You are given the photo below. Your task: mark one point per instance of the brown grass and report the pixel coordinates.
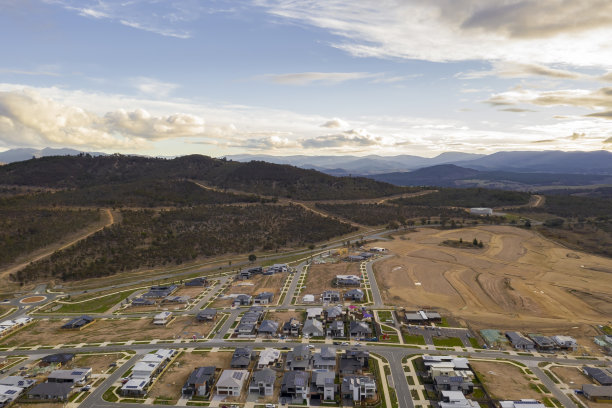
(319, 277)
(169, 385)
(48, 332)
(283, 317)
(253, 286)
(504, 381)
(519, 281)
(99, 363)
(572, 376)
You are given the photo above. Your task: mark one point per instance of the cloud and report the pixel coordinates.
(523, 31)
(608, 140)
(335, 123)
(28, 118)
(350, 138)
(577, 136)
(306, 78)
(154, 87)
(514, 70)
(272, 142)
(517, 110)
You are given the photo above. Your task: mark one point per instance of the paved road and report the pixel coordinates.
(296, 278)
(373, 285)
(567, 403)
(402, 390)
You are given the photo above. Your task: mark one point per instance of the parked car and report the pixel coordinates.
(86, 388)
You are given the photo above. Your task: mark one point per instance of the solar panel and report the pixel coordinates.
(237, 375)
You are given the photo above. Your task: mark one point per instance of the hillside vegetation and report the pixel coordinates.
(261, 178)
(148, 238)
(467, 198)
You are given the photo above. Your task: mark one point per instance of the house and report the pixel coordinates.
(159, 356)
(242, 300)
(268, 357)
(456, 399)
(197, 282)
(298, 359)
(519, 341)
(323, 385)
(231, 382)
(162, 318)
(313, 328)
(292, 327)
(330, 296)
(76, 376)
(354, 361)
(359, 329)
(145, 369)
(422, 317)
(355, 295)
(246, 329)
(481, 211)
(358, 388)
(200, 382)
(140, 301)
(160, 291)
(176, 299)
(8, 394)
(241, 357)
(60, 359)
(332, 313)
(264, 298)
(348, 280)
(543, 343)
(366, 255)
(50, 392)
(308, 299)
(335, 329)
(78, 322)
(314, 312)
(355, 258)
(325, 360)
(17, 381)
(378, 249)
(602, 377)
(135, 387)
(565, 342)
(206, 315)
(262, 382)
(523, 403)
(295, 386)
(597, 393)
(453, 383)
(268, 328)
(277, 268)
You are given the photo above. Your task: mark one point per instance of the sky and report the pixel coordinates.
(314, 77)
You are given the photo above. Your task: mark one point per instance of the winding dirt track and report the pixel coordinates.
(49, 250)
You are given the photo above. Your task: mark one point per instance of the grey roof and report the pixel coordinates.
(295, 379)
(76, 374)
(336, 325)
(349, 365)
(313, 326)
(321, 378)
(354, 293)
(78, 322)
(328, 352)
(265, 376)
(360, 327)
(268, 326)
(597, 390)
(445, 379)
(55, 390)
(58, 358)
(17, 381)
(265, 295)
(207, 312)
(542, 341)
(241, 356)
(517, 339)
(333, 312)
(599, 375)
(200, 375)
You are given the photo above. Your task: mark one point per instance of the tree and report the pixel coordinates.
(475, 242)
(311, 247)
(527, 224)
(252, 258)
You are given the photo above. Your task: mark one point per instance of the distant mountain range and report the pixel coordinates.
(450, 175)
(595, 162)
(21, 154)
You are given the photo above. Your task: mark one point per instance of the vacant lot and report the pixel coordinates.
(169, 385)
(99, 363)
(572, 376)
(519, 280)
(504, 381)
(320, 277)
(191, 291)
(283, 317)
(254, 286)
(48, 332)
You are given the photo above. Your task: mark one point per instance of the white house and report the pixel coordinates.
(143, 369)
(481, 211)
(267, 357)
(162, 318)
(231, 382)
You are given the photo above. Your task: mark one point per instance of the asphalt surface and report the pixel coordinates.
(567, 403)
(373, 285)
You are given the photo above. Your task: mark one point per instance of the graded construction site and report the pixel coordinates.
(517, 281)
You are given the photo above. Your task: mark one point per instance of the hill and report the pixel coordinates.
(86, 171)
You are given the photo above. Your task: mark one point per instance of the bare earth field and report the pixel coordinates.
(519, 280)
(253, 286)
(504, 381)
(319, 277)
(283, 317)
(169, 385)
(48, 332)
(571, 376)
(191, 291)
(99, 363)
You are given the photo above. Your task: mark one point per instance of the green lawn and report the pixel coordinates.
(99, 305)
(447, 342)
(384, 315)
(474, 342)
(410, 339)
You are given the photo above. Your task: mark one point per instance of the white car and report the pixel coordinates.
(344, 343)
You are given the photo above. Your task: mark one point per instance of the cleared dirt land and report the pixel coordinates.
(169, 385)
(519, 280)
(504, 381)
(319, 277)
(572, 376)
(48, 332)
(253, 286)
(99, 363)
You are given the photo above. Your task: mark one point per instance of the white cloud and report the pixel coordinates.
(306, 78)
(335, 123)
(514, 70)
(154, 87)
(570, 32)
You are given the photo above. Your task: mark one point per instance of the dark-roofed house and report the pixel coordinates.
(358, 388)
(323, 385)
(76, 376)
(268, 328)
(359, 329)
(243, 300)
(332, 313)
(325, 360)
(313, 328)
(335, 329)
(264, 298)
(78, 322)
(262, 382)
(597, 393)
(200, 382)
(330, 296)
(354, 361)
(356, 295)
(241, 357)
(160, 291)
(295, 386)
(206, 315)
(60, 358)
(292, 327)
(422, 317)
(299, 358)
(453, 383)
(599, 375)
(196, 282)
(50, 392)
(543, 343)
(519, 341)
(140, 301)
